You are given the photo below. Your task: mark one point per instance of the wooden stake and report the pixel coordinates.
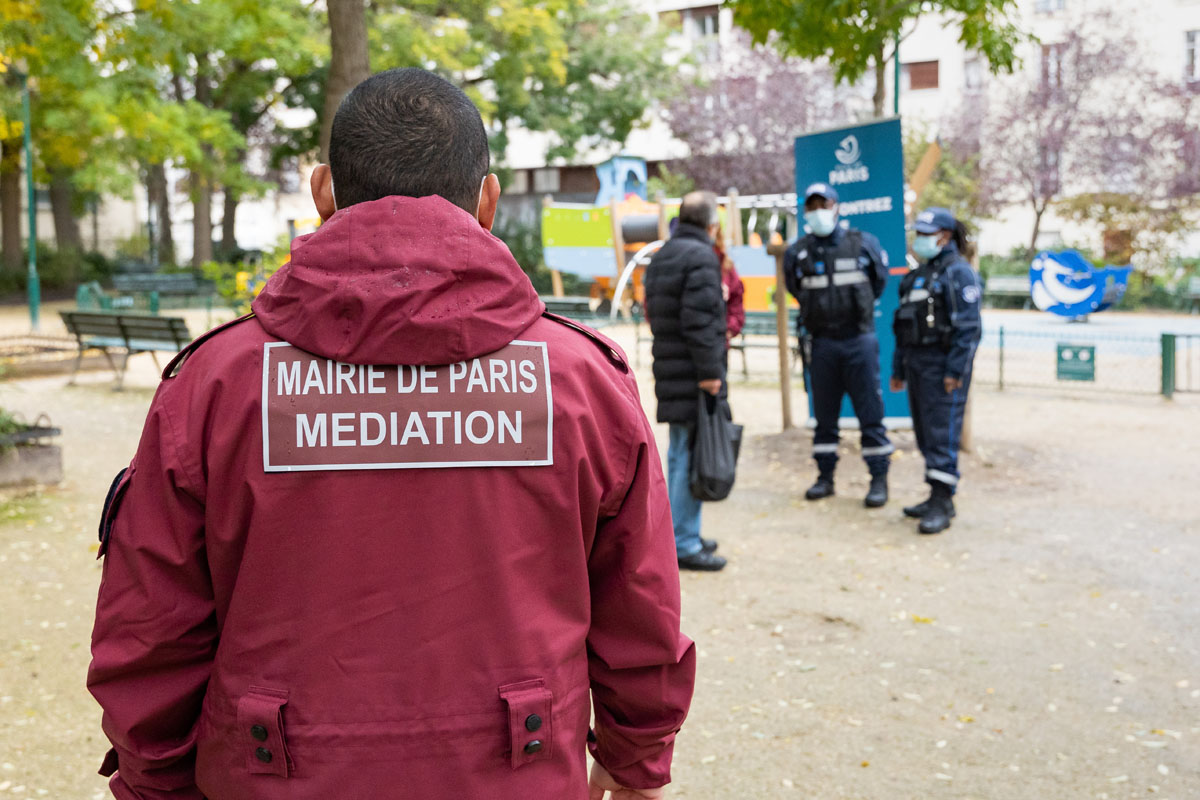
(781, 330)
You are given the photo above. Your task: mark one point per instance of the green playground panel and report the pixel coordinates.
(1076, 362)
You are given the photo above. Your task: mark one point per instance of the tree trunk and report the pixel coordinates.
(202, 249)
(349, 61)
(229, 223)
(1038, 211)
(880, 96)
(62, 204)
(156, 184)
(10, 203)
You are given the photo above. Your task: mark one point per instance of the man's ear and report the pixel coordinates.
(489, 198)
(321, 184)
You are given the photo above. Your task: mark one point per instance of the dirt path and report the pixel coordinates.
(1047, 646)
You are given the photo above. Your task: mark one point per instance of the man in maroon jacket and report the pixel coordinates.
(381, 538)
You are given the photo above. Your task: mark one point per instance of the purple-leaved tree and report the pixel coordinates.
(740, 125)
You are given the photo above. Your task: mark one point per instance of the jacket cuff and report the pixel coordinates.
(651, 773)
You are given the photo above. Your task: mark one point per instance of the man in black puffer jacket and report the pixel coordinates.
(687, 317)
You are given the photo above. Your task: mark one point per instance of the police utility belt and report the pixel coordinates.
(835, 292)
(922, 320)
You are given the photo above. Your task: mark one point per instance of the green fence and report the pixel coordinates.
(1083, 359)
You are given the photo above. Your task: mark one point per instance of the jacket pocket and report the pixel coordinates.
(112, 503)
(261, 733)
(530, 721)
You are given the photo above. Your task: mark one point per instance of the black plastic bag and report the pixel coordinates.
(715, 448)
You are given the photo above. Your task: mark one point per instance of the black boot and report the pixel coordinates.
(940, 512)
(708, 545)
(877, 495)
(821, 489)
(922, 508)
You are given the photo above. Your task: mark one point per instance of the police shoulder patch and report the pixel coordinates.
(970, 293)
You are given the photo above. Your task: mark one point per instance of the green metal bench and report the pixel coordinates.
(1192, 296)
(129, 333)
(1008, 286)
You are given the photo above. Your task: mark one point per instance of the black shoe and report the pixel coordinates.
(919, 510)
(940, 511)
(820, 490)
(702, 562)
(708, 545)
(922, 508)
(877, 495)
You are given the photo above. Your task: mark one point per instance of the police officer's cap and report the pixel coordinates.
(932, 220)
(821, 190)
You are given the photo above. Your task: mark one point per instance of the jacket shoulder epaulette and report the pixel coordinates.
(606, 346)
(173, 368)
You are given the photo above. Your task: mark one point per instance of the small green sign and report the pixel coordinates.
(1076, 362)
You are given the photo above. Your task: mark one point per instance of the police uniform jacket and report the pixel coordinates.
(836, 279)
(431, 623)
(687, 317)
(939, 308)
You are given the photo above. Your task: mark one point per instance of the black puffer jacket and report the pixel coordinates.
(687, 318)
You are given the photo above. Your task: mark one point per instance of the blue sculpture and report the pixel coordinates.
(1068, 285)
(620, 177)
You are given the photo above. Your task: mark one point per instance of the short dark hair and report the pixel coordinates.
(699, 209)
(408, 132)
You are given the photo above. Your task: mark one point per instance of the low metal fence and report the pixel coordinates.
(1080, 359)
(1180, 363)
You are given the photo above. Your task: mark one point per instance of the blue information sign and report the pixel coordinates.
(865, 164)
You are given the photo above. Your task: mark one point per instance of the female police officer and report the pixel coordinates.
(937, 329)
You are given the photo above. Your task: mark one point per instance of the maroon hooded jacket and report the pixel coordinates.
(327, 578)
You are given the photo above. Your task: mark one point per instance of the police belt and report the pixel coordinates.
(839, 279)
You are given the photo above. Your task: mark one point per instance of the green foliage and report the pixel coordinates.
(1136, 229)
(854, 37)
(58, 270)
(955, 180)
(672, 184)
(525, 243)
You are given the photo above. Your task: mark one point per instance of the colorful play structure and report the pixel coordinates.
(611, 240)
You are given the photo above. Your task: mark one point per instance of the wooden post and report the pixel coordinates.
(734, 216)
(664, 230)
(617, 237)
(556, 281)
(781, 330)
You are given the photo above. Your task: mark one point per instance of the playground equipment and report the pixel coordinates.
(612, 244)
(1066, 284)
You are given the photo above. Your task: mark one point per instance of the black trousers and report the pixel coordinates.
(848, 366)
(937, 414)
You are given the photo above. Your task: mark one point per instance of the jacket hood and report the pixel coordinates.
(400, 280)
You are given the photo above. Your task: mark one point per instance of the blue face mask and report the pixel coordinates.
(821, 221)
(926, 247)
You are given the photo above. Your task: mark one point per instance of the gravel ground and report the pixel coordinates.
(1047, 646)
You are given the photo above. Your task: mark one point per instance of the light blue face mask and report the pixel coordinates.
(926, 247)
(821, 221)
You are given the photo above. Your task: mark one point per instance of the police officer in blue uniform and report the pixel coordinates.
(937, 328)
(837, 273)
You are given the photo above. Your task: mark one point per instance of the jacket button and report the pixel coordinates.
(533, 747)
(533, 722)
(263, 755)
(259, 732)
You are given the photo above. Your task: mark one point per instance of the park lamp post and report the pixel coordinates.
(34, 284)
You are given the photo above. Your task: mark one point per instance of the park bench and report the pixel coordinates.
(761, 323)
(1192, 295)
(575, 307)
(129, 333)
(758, 323)
(1009, 286)
(156, 285)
